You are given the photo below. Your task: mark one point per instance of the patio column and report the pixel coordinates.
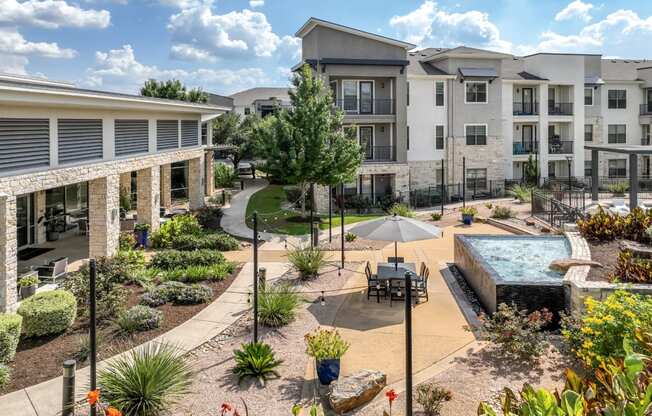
(595, 175)
(633, 180)
(210, 176)
(39, 209)
(166, 186)
(8, 253)
(195, 183)
(149, 189)
(103, 216)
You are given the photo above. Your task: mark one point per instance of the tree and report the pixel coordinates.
(231, 130)
(531, 171)
(173, 90)
(306, 143)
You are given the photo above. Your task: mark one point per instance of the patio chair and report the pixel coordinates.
(422, 271)
(374, 285)
(396, 291)
(55, 269)
(395, 259)
(421, 286)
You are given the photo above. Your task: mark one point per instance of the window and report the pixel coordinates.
(476, 134)
(588, 168)
(408, 137)
(350, 93)
(439, 137)
(476, 178)
(247, 111)
(476, 92)
(617, 99)
(617, 133)
(588, 96)
(588, 132)
(552, 173)
(439, 94)
(617, 168)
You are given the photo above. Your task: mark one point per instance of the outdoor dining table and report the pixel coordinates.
(390, 271)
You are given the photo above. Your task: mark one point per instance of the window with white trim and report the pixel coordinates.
(617, 168)
(476, 134)
(588, 96)
(350, 95)
(617, 99)
(617, 133)
(439, 137)
(475, 92)
(588, 132)
(439, 93)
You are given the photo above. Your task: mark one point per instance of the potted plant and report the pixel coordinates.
(327, 347)
(468, 214)
(28, 286)
(142, 233)
(54, 225)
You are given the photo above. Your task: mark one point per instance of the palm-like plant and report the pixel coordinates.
(307, 261)
(256, 360)
(147, 381)
(521, 192)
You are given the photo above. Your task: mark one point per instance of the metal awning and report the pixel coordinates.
(478, 73)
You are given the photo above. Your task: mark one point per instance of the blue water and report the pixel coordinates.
(522, 258)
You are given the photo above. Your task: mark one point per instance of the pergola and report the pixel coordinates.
(633, 151)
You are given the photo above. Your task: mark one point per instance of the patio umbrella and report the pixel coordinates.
(396, 229)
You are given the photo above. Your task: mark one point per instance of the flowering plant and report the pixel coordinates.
(391, 396)
(93, 398)
(227, 409)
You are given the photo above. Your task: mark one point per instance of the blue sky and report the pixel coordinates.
(229, 45)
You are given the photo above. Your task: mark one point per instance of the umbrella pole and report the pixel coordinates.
(395, 255)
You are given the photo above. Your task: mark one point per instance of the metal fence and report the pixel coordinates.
(434, 196)
(607, 186)
(549, 209)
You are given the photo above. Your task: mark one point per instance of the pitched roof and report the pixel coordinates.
(466, 52)
(247, 97)
(531, 77)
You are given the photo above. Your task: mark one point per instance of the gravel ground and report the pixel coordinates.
(214, 383)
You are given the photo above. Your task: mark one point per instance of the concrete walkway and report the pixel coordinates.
(233, 218)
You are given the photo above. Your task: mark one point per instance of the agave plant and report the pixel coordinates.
(307, 261)
(146, 381)
(256, 360)
(521, 192)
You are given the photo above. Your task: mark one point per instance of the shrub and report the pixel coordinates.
(152, 299)
(110, 306)
(10, 325)
(277, 304)
(173, 259)
(127, 241)
(28, 281)
(5, 375)
(147, 381)
(472, 211)
(630, 269)
(209, 216)
(48, 313)
(605, 324)
(435, 216)
(177, 226)
(618, 188)
(255, 360)
(432, 398)
(502, 213)
(84, 342)
(350, 237)
(133, 259)
(488, 205)
(224, 175)
(307, 261)
(182, 294)
(402, 210)
(515, 331)
(601, 226)
(218, 241)
(521, 192)
(139, 318)
(193, 274)
(635, 224)
(325, 344)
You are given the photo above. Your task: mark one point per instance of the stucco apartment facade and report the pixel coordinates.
(261, 101)
(67, 153)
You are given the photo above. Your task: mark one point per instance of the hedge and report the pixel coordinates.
(48, 313)
(172, 259)
(218, 241)
(10, 325)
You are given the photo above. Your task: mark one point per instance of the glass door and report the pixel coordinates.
(367, 141)
(25, 220)
(350, 96)
(528, 138)
(366, 97)
(528, 100)
(649, 99)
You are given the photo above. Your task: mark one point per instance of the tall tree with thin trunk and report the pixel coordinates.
(236, 133)
(306, 143)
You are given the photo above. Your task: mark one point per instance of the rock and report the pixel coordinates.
(545, 229)
(353, 391)
(562, 265)
(529, 222)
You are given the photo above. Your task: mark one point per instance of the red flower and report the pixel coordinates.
(225, 408)
(93, 396)
(112, 411)
(391, 396)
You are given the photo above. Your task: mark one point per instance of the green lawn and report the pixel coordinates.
(267, 202)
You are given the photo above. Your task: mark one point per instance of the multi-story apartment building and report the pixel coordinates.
(260, 101)
(66, 156)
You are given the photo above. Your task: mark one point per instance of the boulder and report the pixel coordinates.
(529, 222)
(562, 265)
(353, 391)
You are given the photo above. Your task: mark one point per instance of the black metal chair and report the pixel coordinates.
(374, 285)
(423, 268)
(396, 290)
(421, 285)
(395, 259)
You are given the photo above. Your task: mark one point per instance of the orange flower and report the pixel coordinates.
(225, 408)
(93, 396)
(112, 411)
(391, 396)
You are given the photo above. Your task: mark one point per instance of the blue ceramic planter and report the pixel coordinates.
(467, 219)
(328, 371)
(142, 238)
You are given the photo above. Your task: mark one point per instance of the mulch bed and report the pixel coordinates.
(40, 359)
(606, 254)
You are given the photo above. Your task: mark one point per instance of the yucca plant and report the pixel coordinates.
(402, 210)
(521, 192)
(256, 360)
(277, 304)
(146, 381)
(307, 261)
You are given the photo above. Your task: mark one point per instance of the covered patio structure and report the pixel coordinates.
(633, 151)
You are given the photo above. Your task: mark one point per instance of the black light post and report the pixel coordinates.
(408, 344)
(93, 329)
(330, 214)
(443, 191)
(342, 219)
(570, 202)
(255, 245)
(464, 182)
(312, 207)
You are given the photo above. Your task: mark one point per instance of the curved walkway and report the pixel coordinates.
(233, 218)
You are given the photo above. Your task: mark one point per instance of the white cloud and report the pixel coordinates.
(118, 69)
(185, 52)
(13, 64)
(51, 14)
(575, 9)
(256, 3)
(13, 43)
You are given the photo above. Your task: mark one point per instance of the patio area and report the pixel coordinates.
(75, 248)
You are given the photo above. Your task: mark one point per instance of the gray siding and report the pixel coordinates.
(79, 140)
(323, 42)
(24, 143)
(131, 137)
(167, 134)
(189, 133)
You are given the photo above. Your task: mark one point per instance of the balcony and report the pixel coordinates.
(525, 148)
(379, 154)
(366, 106)
(526, 109)
(563, 147)
(560, 109)
(645, 141)
(646, 109)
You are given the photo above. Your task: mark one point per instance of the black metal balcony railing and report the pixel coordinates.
(645, 141)
(366, 106)
(526, 109)
(379, 154)
(525, 148)
(560, 147)
(560, 109)
(646, 108)
(617, 172)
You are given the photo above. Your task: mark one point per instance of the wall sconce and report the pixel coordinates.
(114, 214)
(382, 85)
(518, 127)
(518, 90)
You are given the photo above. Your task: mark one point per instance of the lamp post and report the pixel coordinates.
(255, 246)
(93, 330)
(464, 182)
(408, 344)
(569, 159)
(330, 214)
(443, 186)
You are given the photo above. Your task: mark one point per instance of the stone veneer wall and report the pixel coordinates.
(489, 156)
(8, 253)
(166, 186)
(103, 216)
(149, 189)
(210, 176)
(195, 182)
(423, 173)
